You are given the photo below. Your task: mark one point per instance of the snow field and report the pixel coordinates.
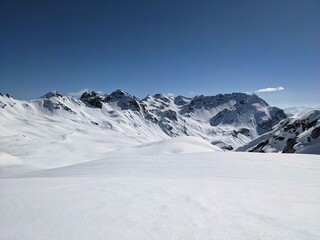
(213, 195)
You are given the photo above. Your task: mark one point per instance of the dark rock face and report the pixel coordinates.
(266, 125)
(180, 100)
(222, 145)
(280, 138)
(51, 105)
(92, 98)
(299, 125)
(289, 146)
(260, 146)
(167, 127)
(118, 94)
(245, 131)
(315, 133)
(162, 97)
(309, 125)
(69, 110)
(170, 114)
(124, 100)
(209, 102)
(219, 117)
(278, 115)
(243, 110)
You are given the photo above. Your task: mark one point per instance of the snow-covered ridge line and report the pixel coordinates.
(225, 120)
(228, 121)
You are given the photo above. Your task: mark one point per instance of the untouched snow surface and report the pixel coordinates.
(141, 195)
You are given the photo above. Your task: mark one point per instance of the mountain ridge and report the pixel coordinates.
(228, 121)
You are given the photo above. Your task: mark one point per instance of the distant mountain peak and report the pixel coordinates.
(52, 94)
(119, 93)
(5, 95)
(93, 98)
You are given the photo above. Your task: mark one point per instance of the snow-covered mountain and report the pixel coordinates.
(226, 120)
(297, 134)
(294, 111)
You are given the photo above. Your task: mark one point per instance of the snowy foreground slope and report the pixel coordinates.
(182, 188)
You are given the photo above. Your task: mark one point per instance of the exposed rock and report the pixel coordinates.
(92, 98)
(260, 146)
(280, 138)
(162, 97)
(123, 100)
(52, 94)
(245, 131)
(222, 145)
(219, 118)
(47, 103)
(69, 110)
(170, 114)
(315, 133)
(289, 146)
(180, 100)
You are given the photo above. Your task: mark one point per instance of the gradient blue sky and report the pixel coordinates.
(144, 47)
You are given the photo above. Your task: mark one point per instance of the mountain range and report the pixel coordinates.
(236, 121)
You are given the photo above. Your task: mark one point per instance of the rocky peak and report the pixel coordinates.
(118, 94)
(181, 100)
(93, 98)
(124, 100)
(162, 97)
(209, 102)
(5, 95)
(52, 94)
(89, 94)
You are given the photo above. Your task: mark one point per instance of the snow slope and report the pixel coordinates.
(213, 195)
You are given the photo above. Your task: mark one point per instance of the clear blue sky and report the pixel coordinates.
(144, 47)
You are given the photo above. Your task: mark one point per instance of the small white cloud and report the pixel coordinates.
(79, 93)
(191, 93)
(270, 89)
